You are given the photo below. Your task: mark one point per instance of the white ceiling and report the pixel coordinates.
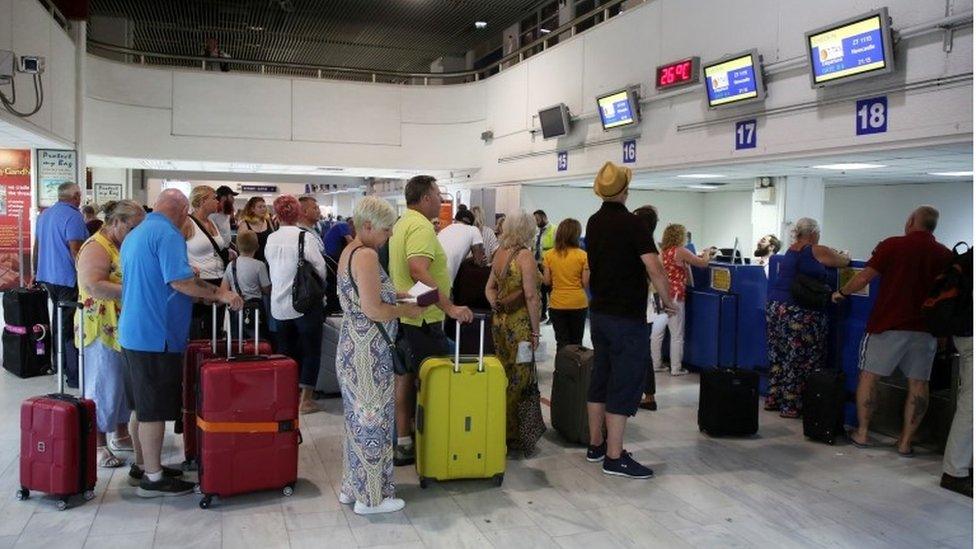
(901, 167)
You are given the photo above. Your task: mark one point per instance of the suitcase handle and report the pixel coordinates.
(61, 306)
(481, 343)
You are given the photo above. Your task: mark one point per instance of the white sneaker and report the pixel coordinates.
(681, 372)
(346, 500)
(662, 368)
(389, 505)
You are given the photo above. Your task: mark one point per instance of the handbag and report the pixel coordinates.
(531, 426)
(398, 352)
(514, 300)
(223, 254)
(308, 289)
(809, 292)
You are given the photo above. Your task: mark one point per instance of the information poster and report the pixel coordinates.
(731, 81)
(15, 205)
(54, 167)
(721, 279)
(107, 192)
(845, 51)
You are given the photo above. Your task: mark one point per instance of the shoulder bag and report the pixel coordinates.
(399, 360)
(514, 300)
(531, 426)
(810, 292)
(307, 290)
(223, 254)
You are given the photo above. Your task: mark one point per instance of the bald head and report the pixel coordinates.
(924, 218)
(174, 205)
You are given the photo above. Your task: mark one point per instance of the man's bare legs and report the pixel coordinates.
(915, 407)
(867, 403)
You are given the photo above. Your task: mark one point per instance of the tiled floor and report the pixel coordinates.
(775, 490)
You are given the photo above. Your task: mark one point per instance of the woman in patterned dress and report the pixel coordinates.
(797, 336)
(99, 290)
(364, 362)
(516, 318)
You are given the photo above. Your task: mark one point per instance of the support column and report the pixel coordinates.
(792, 197)
(80, 29)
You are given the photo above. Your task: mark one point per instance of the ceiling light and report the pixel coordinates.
(481, 24)
(849, 166)
(705, 187)
(701, 176)
(545, 31)
(953, 174)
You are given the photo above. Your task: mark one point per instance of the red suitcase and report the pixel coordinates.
(198, 351)
(57, 439)
(248, 425)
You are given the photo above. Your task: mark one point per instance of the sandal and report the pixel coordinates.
(863, 445)
(121, 444)
(108, 460)
(790, 414)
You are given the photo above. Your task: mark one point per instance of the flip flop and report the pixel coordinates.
(110, 461)
(115, 446)
(909, 454)
(863, 445)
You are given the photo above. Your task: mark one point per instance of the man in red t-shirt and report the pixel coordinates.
(896, 335)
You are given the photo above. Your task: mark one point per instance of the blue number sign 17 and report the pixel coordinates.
(871, 115)
(562, 161)
(630, 151)
(745, 134)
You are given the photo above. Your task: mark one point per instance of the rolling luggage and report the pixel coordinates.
(57, 439)
(728, 402)
(570, 386)
(26, 333)
(197, 352)
(247, 425)
(461, 418)
(823, 405)
(470, 339)
(328, 380)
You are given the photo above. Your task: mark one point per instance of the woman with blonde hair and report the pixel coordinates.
(676, 259)
(513, 292)
(255, 218)
(206, 251)
(364, 363)
(565, 269)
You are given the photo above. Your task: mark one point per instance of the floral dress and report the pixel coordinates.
(507, 330)
(364, 366)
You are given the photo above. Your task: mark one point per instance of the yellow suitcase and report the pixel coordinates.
(461, 417)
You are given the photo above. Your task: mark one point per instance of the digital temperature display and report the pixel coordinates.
(681, 73)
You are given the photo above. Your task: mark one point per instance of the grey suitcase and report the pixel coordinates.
(328, 382)
(570, 385)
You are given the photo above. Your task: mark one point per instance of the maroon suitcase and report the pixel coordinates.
(197, 352)
(248, 425)
(57, 438)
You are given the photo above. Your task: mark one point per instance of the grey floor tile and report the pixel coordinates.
(521, 538)
(260, 531)
(191, 527)
(317, 538)
(590, 540)
(124, 513)
(6, 542)
(449, 531)
(140, 540)
(315, 521)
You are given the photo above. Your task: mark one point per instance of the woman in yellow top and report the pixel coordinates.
(99, 290)
(566, 271)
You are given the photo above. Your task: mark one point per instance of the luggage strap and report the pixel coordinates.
(22, 330)
(247, 426)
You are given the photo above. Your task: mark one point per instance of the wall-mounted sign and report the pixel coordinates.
(745, 134)
(15, 205)
(562, 161)
(734, 80)
(721, 279)
(260, 189)
(630, 151)
(54, 167)
(107, 192)
(677, 74)
(854, 48)
(871, 115)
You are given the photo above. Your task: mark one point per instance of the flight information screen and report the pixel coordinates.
(851, 49)
(732, 81)
(616, 110)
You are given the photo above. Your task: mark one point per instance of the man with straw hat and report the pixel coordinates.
(622, 256)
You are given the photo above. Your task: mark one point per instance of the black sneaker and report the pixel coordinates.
(596, 453)
(625, 466)
(403, 455)
(136, 473)
(166, 487)
(959, 485)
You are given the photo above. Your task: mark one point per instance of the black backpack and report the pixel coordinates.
(948, 311)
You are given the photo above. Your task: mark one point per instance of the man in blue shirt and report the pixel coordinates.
(59, 235)
(335, 241)
(157, 292)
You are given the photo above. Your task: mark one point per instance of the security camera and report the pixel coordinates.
(31, 64)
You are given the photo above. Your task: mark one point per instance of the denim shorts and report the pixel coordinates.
(620, 358)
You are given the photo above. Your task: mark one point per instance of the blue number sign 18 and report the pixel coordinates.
(871, 115)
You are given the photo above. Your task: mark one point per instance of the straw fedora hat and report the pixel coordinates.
(611, 180)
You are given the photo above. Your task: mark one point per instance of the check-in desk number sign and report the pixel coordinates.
(721, 279)
(845, 274)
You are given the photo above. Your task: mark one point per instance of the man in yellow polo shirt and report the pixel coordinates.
(417, 256)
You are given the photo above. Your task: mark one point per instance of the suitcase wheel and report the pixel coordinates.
(423, 483)
(88, 495)
(498, 479)
(23, 494)
(287, 491)
(62, 504)
(205, 502)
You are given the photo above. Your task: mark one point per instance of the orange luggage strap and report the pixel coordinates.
(247, 426)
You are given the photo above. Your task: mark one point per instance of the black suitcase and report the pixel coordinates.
(27, 354)
(728, 402)
(328, 383)
(823, 405)
(570, 385)
(25, 307)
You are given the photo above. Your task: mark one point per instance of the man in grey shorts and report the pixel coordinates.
(896, 336)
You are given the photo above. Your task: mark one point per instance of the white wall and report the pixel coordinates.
(27, 29)
(182, 114)
(726, 215)
(857, 218)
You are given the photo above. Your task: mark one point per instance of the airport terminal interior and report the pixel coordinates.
(770, 137)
